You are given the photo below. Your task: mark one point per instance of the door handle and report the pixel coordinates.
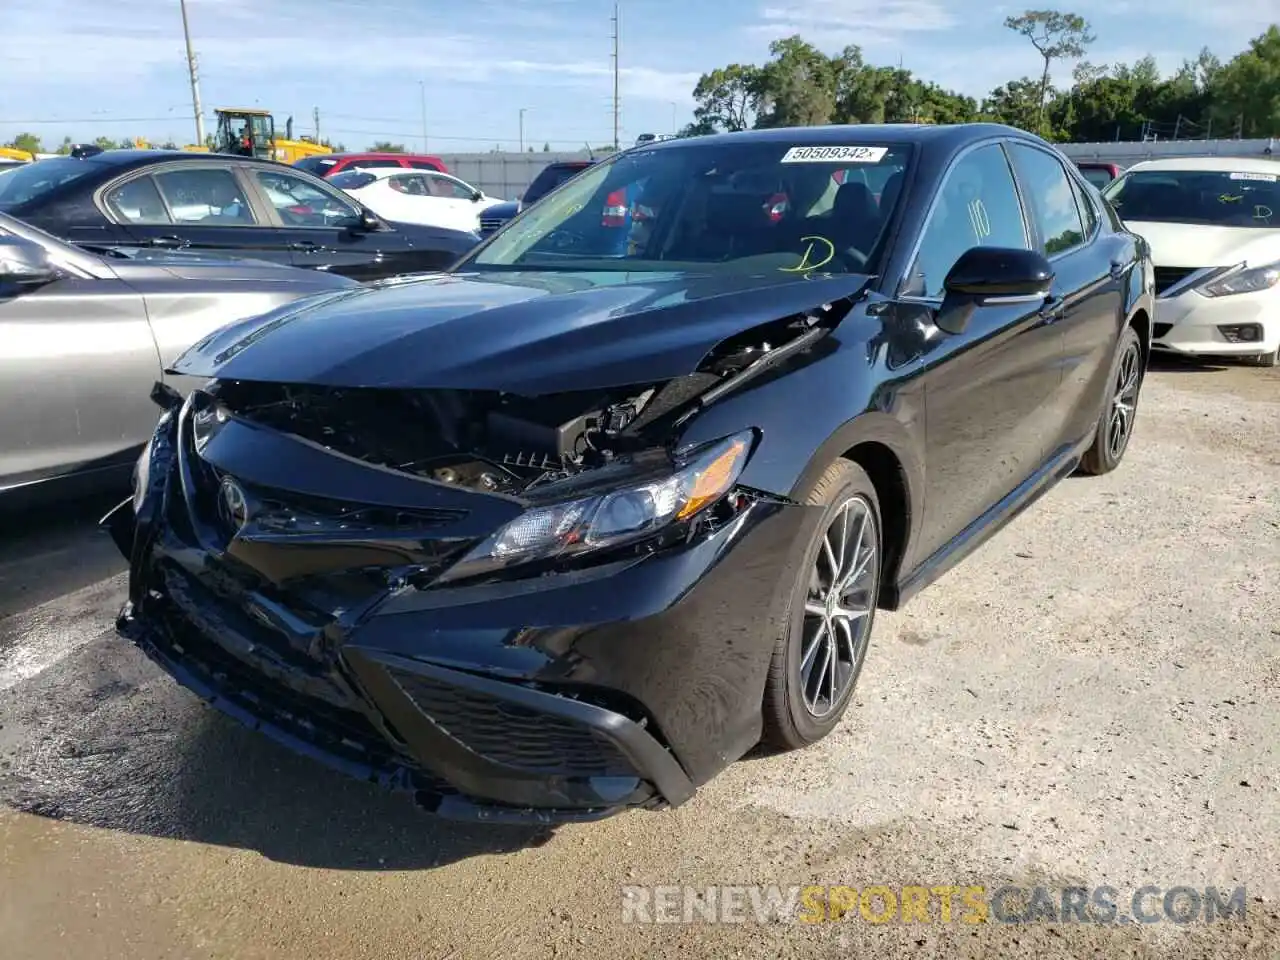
(1119, 268)
(166, 242)
(306, 245)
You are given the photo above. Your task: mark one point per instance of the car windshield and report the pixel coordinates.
(751, 205)
(1217, 198)
(23, 184)
(352, 179)
(550, 178)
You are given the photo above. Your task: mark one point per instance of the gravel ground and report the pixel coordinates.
(1090, 700)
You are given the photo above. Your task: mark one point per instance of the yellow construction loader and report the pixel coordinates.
(249, 132)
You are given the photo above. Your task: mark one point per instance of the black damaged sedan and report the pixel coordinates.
(575, 525)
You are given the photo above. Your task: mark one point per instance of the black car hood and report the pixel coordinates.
(527, 333)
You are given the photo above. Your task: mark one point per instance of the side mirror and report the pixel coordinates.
(25, 262)
(989, 276)
(477, 197)
(369, 221)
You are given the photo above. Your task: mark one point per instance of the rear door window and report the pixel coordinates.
(206, 195)
(1052, 198)
(137, 201)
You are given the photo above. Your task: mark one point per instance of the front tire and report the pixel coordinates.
(1115, 427)
(829, 619)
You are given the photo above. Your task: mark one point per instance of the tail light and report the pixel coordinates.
(615, 209)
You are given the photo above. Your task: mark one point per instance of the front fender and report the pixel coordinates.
(823, 408)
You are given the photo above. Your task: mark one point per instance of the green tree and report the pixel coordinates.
(29, 142)
(546, 148)
(797, 87)
(726, 99)
(382, 146)
(65, 147)
(106, 143)
(1016, 103)
(1056, 36)
(1247, 90)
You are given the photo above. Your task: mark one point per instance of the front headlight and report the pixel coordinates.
(610, 519)
(1242, 280)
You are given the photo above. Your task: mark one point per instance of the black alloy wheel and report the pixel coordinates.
(1115, 426)
(816, 664)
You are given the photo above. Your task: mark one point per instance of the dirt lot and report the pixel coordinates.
(1090, 700)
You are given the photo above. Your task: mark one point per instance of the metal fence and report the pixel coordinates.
(1127, 152)
(504, 175)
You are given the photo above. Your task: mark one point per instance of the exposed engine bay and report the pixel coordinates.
(504, 443)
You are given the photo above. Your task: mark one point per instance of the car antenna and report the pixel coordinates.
(591, 154)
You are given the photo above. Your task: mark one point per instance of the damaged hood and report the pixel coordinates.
(526, 333)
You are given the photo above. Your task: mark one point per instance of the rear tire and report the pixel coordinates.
(831, 612)
(1115, 426)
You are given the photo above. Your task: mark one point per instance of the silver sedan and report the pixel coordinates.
(84, 337)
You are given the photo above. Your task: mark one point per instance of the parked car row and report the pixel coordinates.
(224, 205)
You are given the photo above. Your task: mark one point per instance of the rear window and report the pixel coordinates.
(550, 178)
(1098, 176)
(1217, 198)
(352, 179)
(316, 165)
(32, 180)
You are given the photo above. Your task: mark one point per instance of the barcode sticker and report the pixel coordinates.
(834, 155)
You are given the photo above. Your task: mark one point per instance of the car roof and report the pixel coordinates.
(944, 136)
(1210, 164)
(138, 158)
(383, 173)
(377, 155)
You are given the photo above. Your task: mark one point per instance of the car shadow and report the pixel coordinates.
(1161, 362)
(237, 789)
(172, 769)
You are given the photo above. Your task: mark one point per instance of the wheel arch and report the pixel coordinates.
(882, 446)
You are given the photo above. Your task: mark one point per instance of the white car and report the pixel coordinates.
(416, 196)
(1213, 224)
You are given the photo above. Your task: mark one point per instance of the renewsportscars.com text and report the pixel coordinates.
(939, 903)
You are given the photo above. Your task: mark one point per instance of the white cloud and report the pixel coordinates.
(838, 22)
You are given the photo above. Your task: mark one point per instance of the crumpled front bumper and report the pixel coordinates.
(560, 698)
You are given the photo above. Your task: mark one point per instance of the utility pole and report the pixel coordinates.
(195, 77)
(315, 117)
(673, 117)
(617, 103)
(522, 110)
(422, 91)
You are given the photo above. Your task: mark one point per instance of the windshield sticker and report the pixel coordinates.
(1264, 177)
(834, 155)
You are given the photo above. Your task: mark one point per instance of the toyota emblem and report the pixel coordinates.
(233, 505)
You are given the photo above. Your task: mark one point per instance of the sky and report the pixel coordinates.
(117, 68)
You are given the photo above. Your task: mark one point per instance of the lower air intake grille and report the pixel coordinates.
(513, 734)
